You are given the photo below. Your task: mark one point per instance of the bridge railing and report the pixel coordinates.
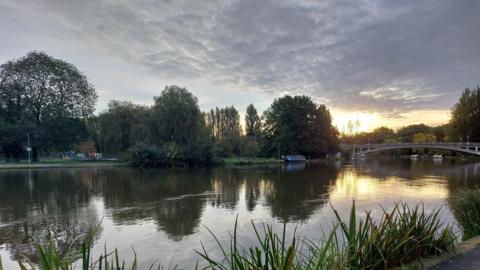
(460, 144)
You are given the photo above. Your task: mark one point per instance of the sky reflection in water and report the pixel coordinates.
(162, 213)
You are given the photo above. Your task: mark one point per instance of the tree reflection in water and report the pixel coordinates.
(36, 203)
(70, 201)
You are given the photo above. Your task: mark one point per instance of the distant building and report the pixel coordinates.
(294, 158)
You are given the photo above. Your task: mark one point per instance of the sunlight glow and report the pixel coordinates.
(368, 121)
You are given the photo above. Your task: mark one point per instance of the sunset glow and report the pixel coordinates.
(369, 121)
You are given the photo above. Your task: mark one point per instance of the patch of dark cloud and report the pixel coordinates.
(384, 56)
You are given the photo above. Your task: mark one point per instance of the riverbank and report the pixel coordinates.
(466, 255)
(62, 164)
(235, 161)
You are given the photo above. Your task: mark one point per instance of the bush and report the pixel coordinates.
(143, 155)
(197, 152)
(249, 146)
(200, 150)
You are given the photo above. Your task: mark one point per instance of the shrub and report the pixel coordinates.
(142, 155)
(197, 152)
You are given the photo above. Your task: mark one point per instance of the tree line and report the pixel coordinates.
(48, 105)
(51, 103)
(412, 133)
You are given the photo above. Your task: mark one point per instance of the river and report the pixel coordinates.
(164, 214)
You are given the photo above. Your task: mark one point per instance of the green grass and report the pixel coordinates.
(401, 236)
(466, 209)
(249, 161)
(60, 164)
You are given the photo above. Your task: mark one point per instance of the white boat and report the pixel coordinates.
(437, 157)
(414, 157)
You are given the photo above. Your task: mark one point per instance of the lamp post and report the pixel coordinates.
(468, 139)
(461, 139)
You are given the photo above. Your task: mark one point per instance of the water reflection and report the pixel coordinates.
(160, 211)
(33, 203)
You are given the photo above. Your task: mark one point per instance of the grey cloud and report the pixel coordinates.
(385, 56)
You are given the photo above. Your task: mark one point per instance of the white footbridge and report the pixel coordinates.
(365, 149)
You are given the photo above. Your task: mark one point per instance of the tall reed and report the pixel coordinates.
(466, 208)
(401, 236)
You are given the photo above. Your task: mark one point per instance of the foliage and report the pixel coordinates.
(145, 156)
(252, 122)
(119, 127)
(249, 146)
(466, 208)
(170, 133)
(198, 152)
(46, 97)
(176, 116)
(424, 138)
(296, 125)
(378, 135)
(412, 133)
(405, 134)
(401, 236)
(465, 119)
(224, 124)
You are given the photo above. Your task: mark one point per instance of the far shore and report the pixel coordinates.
(61, 164)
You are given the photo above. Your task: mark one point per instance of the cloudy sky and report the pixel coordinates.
(382, 62)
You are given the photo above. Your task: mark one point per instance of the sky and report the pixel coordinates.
(389, 63)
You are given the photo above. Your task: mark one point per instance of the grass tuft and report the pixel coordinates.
(401, 236)
(466, 208)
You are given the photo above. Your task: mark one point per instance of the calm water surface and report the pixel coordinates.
(162, 214)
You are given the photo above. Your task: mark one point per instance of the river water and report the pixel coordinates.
(164, 214)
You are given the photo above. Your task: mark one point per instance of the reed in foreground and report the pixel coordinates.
(401, 236)
(466, 208)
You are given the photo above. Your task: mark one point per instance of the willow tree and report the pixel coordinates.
(179, 125)
(47, 98)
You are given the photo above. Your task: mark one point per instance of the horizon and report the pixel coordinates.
(366, 60)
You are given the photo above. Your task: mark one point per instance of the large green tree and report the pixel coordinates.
(178, 127)
(47, 98)
(297, 125)
(465, 121)
(176, 116)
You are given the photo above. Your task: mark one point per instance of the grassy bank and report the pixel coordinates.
(60, 164)
(249, 161)
(401, 236)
